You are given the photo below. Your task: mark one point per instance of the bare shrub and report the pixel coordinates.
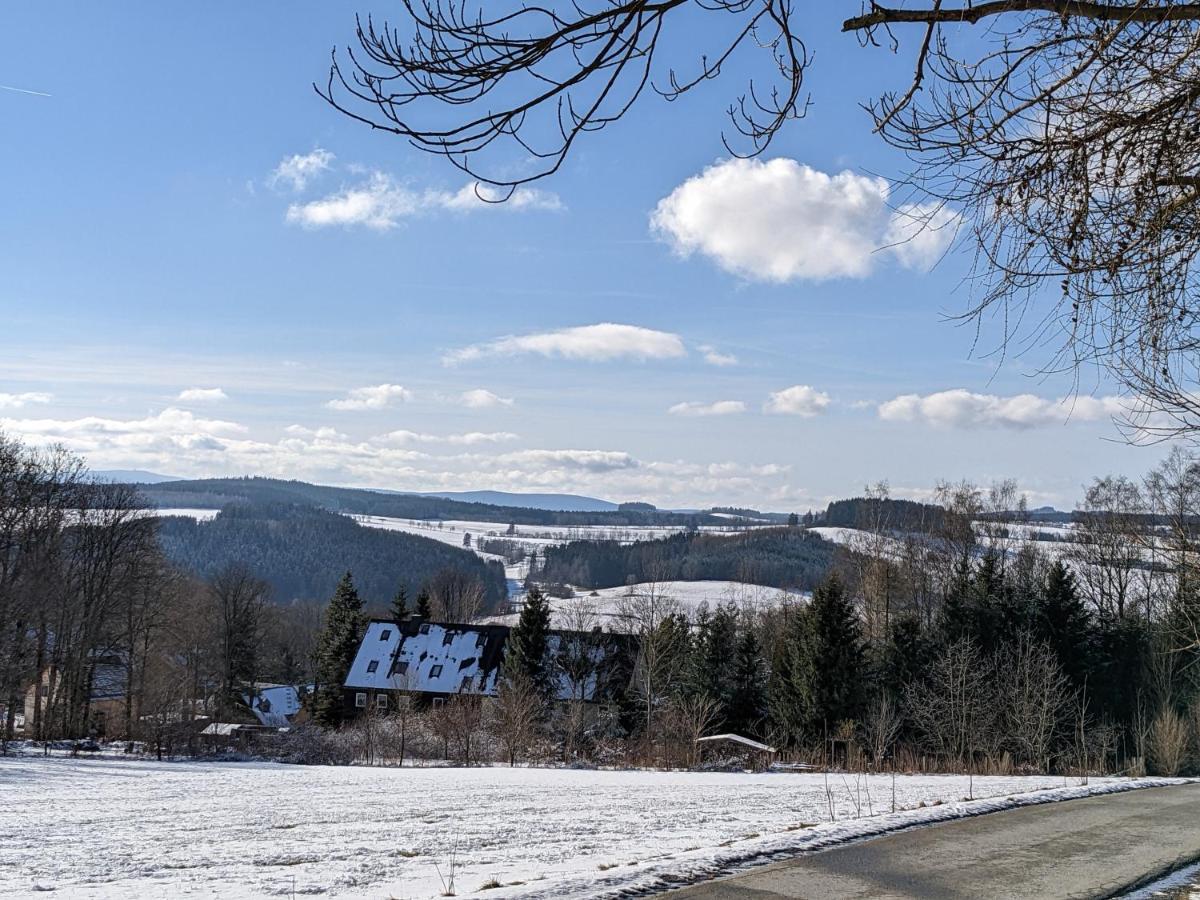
(1168, 743)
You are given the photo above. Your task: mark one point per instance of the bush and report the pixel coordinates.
(1168, 744)
(310, 745)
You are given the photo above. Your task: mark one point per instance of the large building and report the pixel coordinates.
(437, 661)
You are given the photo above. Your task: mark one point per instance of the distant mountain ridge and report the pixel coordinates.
(556, 502)
(133, 476)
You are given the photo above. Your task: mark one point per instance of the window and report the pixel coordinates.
(381, 701)
(360, 700)
(424, 629)
(264, 704)
(372, 666)
(400, 667)
(438, 702)
(435, 672)
(385, 634)
(447, 638)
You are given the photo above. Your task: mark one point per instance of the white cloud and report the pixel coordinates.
(324, 433)
(960, 408)
(588, 460)
(714, 357)
(298, 170)
(480, 398)
(16, 401)
(920, 233)
(169, 432)
(376, 397)
(781, 220)
(604, 341)
(719, 408)
(467, 439)
(202, 395)
(798, 400)
(381, 202)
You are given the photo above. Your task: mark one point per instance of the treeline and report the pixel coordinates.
(783, 558)
(896, 515)
(301, 551)
(213, 493)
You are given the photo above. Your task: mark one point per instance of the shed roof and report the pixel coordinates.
(737, 739)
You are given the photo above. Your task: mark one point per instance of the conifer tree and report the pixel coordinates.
(525, 653)
(424, 610)
(400, 605)
(713, 655)
(336, 646)
(839, 665)
(791, 684)
(1064, 624)
(748, 697)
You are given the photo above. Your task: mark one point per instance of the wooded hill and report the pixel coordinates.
(772, 557)
(303, 551)
(215, 493)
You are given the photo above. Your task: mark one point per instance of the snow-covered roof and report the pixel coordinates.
(737, 739)
(274, 704)
(438, 658)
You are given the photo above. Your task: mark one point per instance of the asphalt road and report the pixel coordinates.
(1095, 847)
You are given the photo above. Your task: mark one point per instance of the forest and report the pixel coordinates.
(784, 558)
(301, 551)
(218, 492)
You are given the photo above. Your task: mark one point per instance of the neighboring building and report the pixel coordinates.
(438, 661)
(275, 705)
(106, 703)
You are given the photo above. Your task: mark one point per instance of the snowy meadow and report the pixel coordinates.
(118, 828)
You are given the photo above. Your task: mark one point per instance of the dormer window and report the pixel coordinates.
(447, 638)
(372, 666)
(435, 672)
(385, 634)
(400, 667)
(424, 629)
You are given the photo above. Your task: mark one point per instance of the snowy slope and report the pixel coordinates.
(106, 829)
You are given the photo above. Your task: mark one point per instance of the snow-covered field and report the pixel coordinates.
(610, 606)
(116, 828)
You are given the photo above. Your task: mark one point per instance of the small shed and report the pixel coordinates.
(233, 734)
(735, 750)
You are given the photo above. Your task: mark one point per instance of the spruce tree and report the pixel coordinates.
(748, 697)
(400, 605)
(424, 610)
(1064, 624)
(715, 648)
(839, 664)
(525, 653)
(336, 646)
(791, 684)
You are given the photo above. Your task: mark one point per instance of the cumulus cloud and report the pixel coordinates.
(480, 398)
(604, 341)
(202, 395)
(381, 202)
(170, 431)
(918, 234)
(298, 170)
(781, 220)
(467, 439)
(375, 397)
(960, 408)
(718, 408)
(589, 460)
(714, 357)
(16, 401)
(798, 400)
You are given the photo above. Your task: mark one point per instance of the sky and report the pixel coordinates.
(205, 270)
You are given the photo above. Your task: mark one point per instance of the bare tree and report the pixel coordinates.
(456, 596)
(881, 727)
(1057, 137)
(239, 601)
(516, 716)
(953, 707)
(1108, 544)
(1033, 699)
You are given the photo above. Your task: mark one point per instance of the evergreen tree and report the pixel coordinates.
(424, 610)
(790, 688)
(748, 697)
(715, 648)
(839, 666)
(956, 619)
(336, 646)
(986, 602)
(525, 653)
(400, 605)
(1064, 624)
(907, 656)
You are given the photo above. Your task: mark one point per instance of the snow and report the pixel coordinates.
(102, 829)
(608, 606)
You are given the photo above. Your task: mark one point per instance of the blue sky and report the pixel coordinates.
(207, 271)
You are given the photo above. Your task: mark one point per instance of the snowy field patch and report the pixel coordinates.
(115, 828)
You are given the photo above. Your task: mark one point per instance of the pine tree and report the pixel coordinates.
(400, 605)
(1064, 624)
(336, 646)
(957, 617)
(748, 697)
(713, 655)
(424, 610)
(839, 665)
(525, 653)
